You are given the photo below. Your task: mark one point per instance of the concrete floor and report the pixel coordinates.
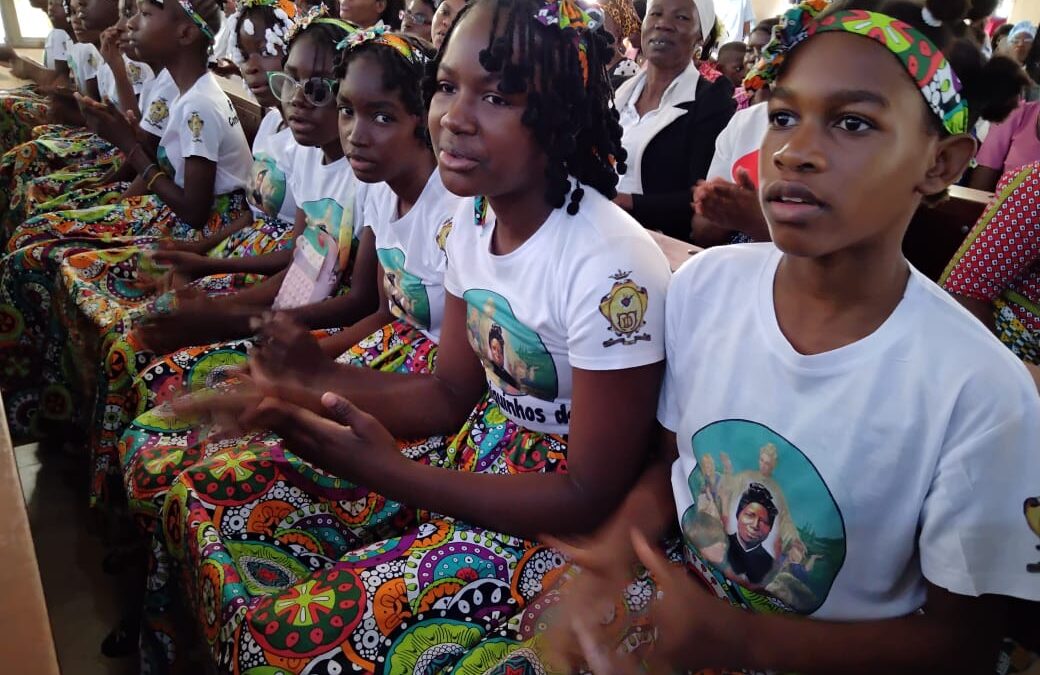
(81, 599)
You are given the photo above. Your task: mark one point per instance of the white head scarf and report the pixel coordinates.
(706, 12)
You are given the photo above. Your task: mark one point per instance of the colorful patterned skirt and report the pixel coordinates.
(101, 301)
(21, 110)
(39, 371)
(1015, 335)
(57, 160)
(286, 567)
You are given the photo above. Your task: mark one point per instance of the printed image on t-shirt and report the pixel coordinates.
(406, 292)
(514, 357)
(267, 185)
(158, 112)
(764, 528)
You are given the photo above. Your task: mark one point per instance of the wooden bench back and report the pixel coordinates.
(936, 233)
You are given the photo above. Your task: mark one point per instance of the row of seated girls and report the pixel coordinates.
(352, 386)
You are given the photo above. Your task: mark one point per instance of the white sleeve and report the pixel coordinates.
(615, 311)
(56, 47)
(980, 523)
(722, 162)
(204, 124)
(139, 74)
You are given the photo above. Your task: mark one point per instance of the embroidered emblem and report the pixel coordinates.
(195, 124)
(134, 72)
(92, 61)
(158, 111)
(624, 308)
(1032, 511)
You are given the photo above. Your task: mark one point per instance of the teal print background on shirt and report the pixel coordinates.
(514, 357)
(406, 292)
(266, 185)
(327, 214)
(764, 527)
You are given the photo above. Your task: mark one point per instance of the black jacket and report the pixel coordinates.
(679, 156)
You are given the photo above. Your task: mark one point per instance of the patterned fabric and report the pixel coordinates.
(1025, 343)
(38, 360)
(57, 160)
(921, 58)
(21, 110)
(1000, 258)
(286, 565)
(101, 302)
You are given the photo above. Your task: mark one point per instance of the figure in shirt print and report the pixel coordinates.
(763, 528)
(514, 357)
(268, 185)
(405, 291)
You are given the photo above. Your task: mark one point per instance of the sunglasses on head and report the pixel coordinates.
(318, 91)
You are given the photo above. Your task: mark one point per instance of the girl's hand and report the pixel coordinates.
(185, 265)
(107, 118)
(191, 323)
(110, 47)
(338, 438)
(199, 247)
(289, 349)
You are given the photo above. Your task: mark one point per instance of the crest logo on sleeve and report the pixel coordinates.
(195, 125)
(624, 308)
(158, 111)
(1032, 511)
(134, 72)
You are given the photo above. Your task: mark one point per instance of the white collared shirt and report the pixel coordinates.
(639, 131)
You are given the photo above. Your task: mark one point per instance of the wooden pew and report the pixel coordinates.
(936, 233)
(676, 251)
(26, 642)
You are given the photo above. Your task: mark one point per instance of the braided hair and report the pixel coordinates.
(569, 103)
(399, 74)
(212, 13)
(278, 24)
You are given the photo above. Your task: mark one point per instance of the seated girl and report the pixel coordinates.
(871, 471)
(206, 162)
(552, 318)
(26, 107)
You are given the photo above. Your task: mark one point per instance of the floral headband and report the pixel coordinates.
(568, 14)
(921, 58)
(318, 14)
(381, 35)
(196, 19)
(275, 37)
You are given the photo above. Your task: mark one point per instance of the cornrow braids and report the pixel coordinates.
(399, 74)
(570, 100)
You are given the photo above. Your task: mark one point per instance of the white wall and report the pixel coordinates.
(767, 8)
(1026, 9)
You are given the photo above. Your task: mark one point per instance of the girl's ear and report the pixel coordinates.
(952, 158)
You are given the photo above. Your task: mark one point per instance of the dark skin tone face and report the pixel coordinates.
(671, 32)
(732, 66)
(56, 13)
(362, 12)
(483, 148)
(97, 15)
(756, 42)
(375, 127)
(847, 125)
(443, 18)
(147, 29)
(257, 64)
(312, 125)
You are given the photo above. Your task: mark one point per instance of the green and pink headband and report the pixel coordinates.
(195, 17)
(921, 58)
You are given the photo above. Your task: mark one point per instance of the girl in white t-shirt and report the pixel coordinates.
(547, 369)
(841, 440)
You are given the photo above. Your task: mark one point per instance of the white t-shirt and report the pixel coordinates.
(738, 144)
(56, 47)
(331, 198)
(835, 484)
(584, 291)
(203, 123)
(733, 14)
(137, 72)
(274, 151)
(157, 97)
(84, 59)
(410, 251)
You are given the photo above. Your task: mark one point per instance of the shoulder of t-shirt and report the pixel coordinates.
(602, 229)
(267, 129)
(205, 94)
(719, 267)
(958, 346)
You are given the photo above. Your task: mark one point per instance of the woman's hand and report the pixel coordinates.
(731, 206)
(110, 122)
